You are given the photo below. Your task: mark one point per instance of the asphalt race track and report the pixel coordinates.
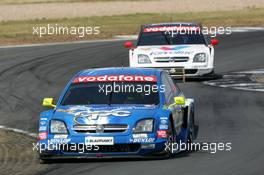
(224, 115)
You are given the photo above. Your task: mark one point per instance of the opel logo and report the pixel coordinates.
(171, 59)
(172, 70)
(99, 129)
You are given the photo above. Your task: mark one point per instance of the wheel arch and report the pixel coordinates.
(188, 111)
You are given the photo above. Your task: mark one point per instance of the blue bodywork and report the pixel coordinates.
(122, 140)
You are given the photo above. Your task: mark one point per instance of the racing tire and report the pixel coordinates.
(170, 141)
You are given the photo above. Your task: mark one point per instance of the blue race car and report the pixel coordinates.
(116, 112)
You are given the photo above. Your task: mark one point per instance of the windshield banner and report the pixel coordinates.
(171, 28)
(115, 78)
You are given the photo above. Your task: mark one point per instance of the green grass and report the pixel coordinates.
(21, 31)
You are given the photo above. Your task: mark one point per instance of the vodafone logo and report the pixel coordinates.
(115, 78)
(171, 28)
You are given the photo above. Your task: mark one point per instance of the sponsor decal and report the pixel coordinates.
(170, 52)
(42, 128)
(115, 78)
(163, 121)
(69, 111)
(170, 28)
(173, 48)
(145, 49)
(59, 141)
(43, 124)
(83, 117)
(96, 114)
(60, 136)
(84, 114)
(42, 136)
(163, 127)
(99, 140)
(162, 134)
(139, 135)
(156, 51)
(142, 140)
(43, 121)
(75, 109)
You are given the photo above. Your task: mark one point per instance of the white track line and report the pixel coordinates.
(235, 87)
(19, 131)
(228, 83)
(261, 71)
(247, 29)
(247, 89)
(62, 43)
(126, 37)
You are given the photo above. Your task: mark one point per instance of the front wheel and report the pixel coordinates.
(45, 161)
(191, 131)
(170, 141)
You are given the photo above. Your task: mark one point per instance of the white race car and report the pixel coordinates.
(180, 48)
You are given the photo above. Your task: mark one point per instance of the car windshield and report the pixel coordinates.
(111, 93)
(162, 38)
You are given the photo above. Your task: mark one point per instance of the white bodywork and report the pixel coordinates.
(174, 57)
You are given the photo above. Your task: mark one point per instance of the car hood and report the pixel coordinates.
(82, 115)
(171, 50)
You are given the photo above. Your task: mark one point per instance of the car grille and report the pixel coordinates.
(170, 59)
(102, 148)
(95, 128)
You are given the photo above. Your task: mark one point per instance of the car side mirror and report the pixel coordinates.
(48, 102)
(128, 44)
(179, 100)
(214, 42)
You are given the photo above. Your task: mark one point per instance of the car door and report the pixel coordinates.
(171, 91)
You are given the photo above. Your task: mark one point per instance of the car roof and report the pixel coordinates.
(120, 71)
(171, 24)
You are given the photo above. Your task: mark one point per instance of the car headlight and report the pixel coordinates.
(143, 59)
(199, 57)
(144, 126)
(58, 127)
